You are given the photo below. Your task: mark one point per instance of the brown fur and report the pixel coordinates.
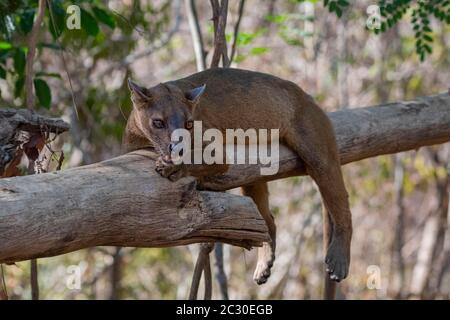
(244, 99)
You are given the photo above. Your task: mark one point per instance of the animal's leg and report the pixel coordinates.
(317, 148)
(266, 254)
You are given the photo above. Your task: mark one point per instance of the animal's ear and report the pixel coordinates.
(139, 94)
(195, 94)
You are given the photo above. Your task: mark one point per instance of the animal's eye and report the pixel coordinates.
(189, 124)
(158, 123)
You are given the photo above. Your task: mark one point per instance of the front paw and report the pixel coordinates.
(170, 171)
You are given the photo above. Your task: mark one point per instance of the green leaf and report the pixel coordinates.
(343, 3)
(104, 17)
(26, 20)
(338, 11)
(279, 18)
(2, 73)
(427, 48)
(19, 61)
(390, 22)
(43, 92)
(88, 23)
(5, 45)
(333, 6)
(58, 16)
(53, 46)
(428, 38)
(422, 56)
(244, 38)
(48, 74)
(389, 8)
(18, 86)
(258, 51)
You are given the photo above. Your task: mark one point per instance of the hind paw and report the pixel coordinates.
(266, 257)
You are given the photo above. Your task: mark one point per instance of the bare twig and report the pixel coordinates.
(34, 279)
(116, 274)
(397, 264)
(196, 34)
(236, 31)
(208, 278)
(202, 264)
(32, 41)
(3, 289)
(220, 274)
(63, 59)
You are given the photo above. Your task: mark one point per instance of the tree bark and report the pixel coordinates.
(123, 202)
(13, 122)
(120, 202)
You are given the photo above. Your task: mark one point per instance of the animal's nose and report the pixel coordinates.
(173, 147)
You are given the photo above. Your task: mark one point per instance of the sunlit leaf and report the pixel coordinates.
(258, 51)
(5, 45)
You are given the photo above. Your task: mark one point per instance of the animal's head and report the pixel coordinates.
(162, 109)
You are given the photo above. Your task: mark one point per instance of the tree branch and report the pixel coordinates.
(123, 202)
(220, 13)
(196, 34)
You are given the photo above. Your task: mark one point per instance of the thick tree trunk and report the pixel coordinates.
(123, 202)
